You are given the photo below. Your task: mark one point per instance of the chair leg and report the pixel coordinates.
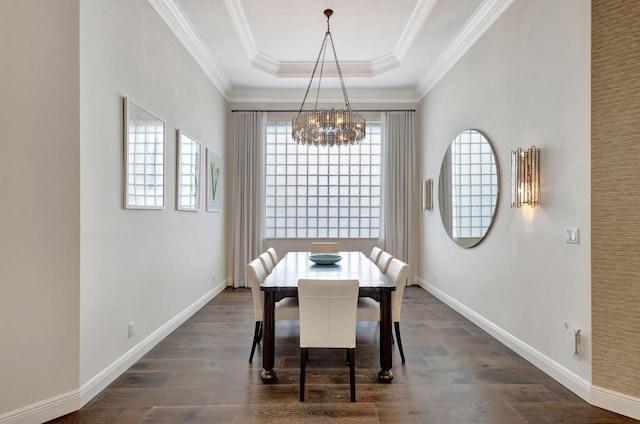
(256, 339)
(352, 373)
(397, 327)
(303, 363)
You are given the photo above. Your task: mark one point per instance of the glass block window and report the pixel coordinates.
(475, 184)
(321, 192)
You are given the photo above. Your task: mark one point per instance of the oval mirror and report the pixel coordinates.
(468, 188)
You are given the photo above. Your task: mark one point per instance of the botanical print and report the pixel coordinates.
(214, 176)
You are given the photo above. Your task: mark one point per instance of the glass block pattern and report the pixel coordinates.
(322, 192)
(474, 183)
(145, 173)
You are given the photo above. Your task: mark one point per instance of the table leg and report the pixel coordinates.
(386, 338)
(268, 338)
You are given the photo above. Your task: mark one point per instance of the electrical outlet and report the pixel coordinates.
(435, 277)
(130, 333)
(213, 279)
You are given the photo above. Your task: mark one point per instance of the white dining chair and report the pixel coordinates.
(286, 309)
(323, 246)
(369, 309)
(328, 320)
(274, 255)
(383, 261)
(267, 262)
(375, 254)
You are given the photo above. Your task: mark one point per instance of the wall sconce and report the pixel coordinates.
(427, 194)
(525, 177)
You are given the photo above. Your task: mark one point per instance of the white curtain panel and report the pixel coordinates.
(246, 192)
(401, 193)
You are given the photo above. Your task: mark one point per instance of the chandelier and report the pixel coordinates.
(327, 127)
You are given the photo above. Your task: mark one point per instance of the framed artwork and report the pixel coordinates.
(188, 170)
(214, 177)
(144, 158)
(427, 194)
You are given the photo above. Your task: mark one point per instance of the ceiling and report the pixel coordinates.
(389, 51)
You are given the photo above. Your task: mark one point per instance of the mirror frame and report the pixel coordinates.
(476, 240)
(144, 172)
(188, 167)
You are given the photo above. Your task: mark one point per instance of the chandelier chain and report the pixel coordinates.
(324, 54)
(315, 67)
(335, 56)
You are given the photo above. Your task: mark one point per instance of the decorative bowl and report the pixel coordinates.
(324, 258)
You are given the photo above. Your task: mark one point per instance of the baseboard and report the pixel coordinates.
(602, 398)
(98, 383)
(63, 404)
(616, 402)
(45, 410)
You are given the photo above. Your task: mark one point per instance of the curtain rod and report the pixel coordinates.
(354, 110)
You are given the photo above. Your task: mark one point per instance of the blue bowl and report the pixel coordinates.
(324, 258)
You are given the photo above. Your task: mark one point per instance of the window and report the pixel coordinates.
(322, 192)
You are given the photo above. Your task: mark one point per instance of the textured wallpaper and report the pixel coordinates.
(615, 194)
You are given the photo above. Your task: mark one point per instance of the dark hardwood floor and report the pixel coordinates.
(454, 373)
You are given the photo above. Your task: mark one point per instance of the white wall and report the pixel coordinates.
(76, 267)
(137, 265)
(525, 82)
(40, 206)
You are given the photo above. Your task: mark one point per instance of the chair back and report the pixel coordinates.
(328, 313)
(323, 246)
(274, 255)
(375, 254)
(257, 274)
(267, 262)
(398, 272)
(383, 261)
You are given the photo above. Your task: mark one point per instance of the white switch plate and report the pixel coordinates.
(572, 235)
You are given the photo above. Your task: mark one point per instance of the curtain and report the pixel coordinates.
(246, 192)
(401, 191)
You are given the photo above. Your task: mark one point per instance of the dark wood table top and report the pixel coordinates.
(353, 265)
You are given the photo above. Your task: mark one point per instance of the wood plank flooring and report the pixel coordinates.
(454, 373)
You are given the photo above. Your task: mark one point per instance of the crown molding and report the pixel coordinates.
(488, 12)
(418, 17)
(173, 15)
(175, 18)
(239, 21)
(392, 60)
(291, 95)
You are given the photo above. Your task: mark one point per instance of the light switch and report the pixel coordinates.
(572, 235)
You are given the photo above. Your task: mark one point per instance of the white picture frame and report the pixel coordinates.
(188, 172)
(144, 158)
(214, 179)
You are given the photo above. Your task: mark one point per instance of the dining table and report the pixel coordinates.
(282, 282)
